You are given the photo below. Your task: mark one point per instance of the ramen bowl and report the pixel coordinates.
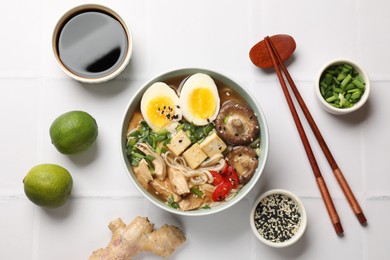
(221, 81)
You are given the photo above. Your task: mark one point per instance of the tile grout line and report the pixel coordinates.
(82, 196)
(129, 196)
(35, 232)
(39, 139)
(365, 196)
(251, 86)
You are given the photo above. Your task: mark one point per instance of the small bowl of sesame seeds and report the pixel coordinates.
(278, 218)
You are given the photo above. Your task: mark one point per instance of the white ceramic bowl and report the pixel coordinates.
(95, 8)
(342, 111)
(302, 211)
(264, 143)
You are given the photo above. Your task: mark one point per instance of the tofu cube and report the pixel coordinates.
(194, 156)
(179, 143)
(212, 145)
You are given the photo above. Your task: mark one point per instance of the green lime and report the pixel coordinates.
(73, 132)
(48, 185)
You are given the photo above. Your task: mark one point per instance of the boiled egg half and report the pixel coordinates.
(199, 99)
(160, 106)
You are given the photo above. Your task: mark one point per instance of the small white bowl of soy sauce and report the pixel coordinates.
(92, 43)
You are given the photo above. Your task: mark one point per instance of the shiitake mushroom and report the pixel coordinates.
(245, 161)
(236, 123)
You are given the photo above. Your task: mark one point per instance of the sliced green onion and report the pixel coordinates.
(349, 67)
(137, 155)
(358, 84)
(341, 86)
(163, 150)
(196, 191)
(180, 127)
(149, 157)
(331, 99)
(171, 202)
(346, 80)
(134, 162)
(131, 141)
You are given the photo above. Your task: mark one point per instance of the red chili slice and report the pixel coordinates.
(225, 169)
(218, 178)
(222, 191)
(232, 177)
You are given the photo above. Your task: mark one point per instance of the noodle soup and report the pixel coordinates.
(193, 142)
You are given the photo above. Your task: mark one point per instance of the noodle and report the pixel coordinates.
(199, 176)
(215, 163)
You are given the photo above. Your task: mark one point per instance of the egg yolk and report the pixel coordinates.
(201, 103)
(160, 111)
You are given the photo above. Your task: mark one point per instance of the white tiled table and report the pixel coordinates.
(215, 35)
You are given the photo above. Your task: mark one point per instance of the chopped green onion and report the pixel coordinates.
(172, 203)
(341, 86)
(208, 128)
(134, 162)
(328, 79)
(144, 125)
(349, 86)
(180, 127)
(132, 141)
(358, 84)
(196, 191)
(167, 141)
(356, 95)
(255, 144)
(353, 90)
(346, 80)
(349, 67)
(149, 157)
(331, 99)
(135, 133)
(138, 155)
(161, 137)
(341, 77)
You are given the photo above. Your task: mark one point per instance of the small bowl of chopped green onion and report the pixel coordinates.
(278, 218)
(342, 86)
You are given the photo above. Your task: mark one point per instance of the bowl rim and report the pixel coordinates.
(264, 130)
(79, 9)
(356, 106)
(302, 226)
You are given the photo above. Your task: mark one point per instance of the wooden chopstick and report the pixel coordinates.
(325, 149)
(309, 152)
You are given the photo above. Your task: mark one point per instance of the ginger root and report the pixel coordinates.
(139, 235)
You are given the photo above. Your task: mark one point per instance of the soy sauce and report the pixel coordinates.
(92, 44)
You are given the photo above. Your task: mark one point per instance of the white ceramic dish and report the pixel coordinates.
(92, 8)
(342, 111)
(303, 216)
(264, 143)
